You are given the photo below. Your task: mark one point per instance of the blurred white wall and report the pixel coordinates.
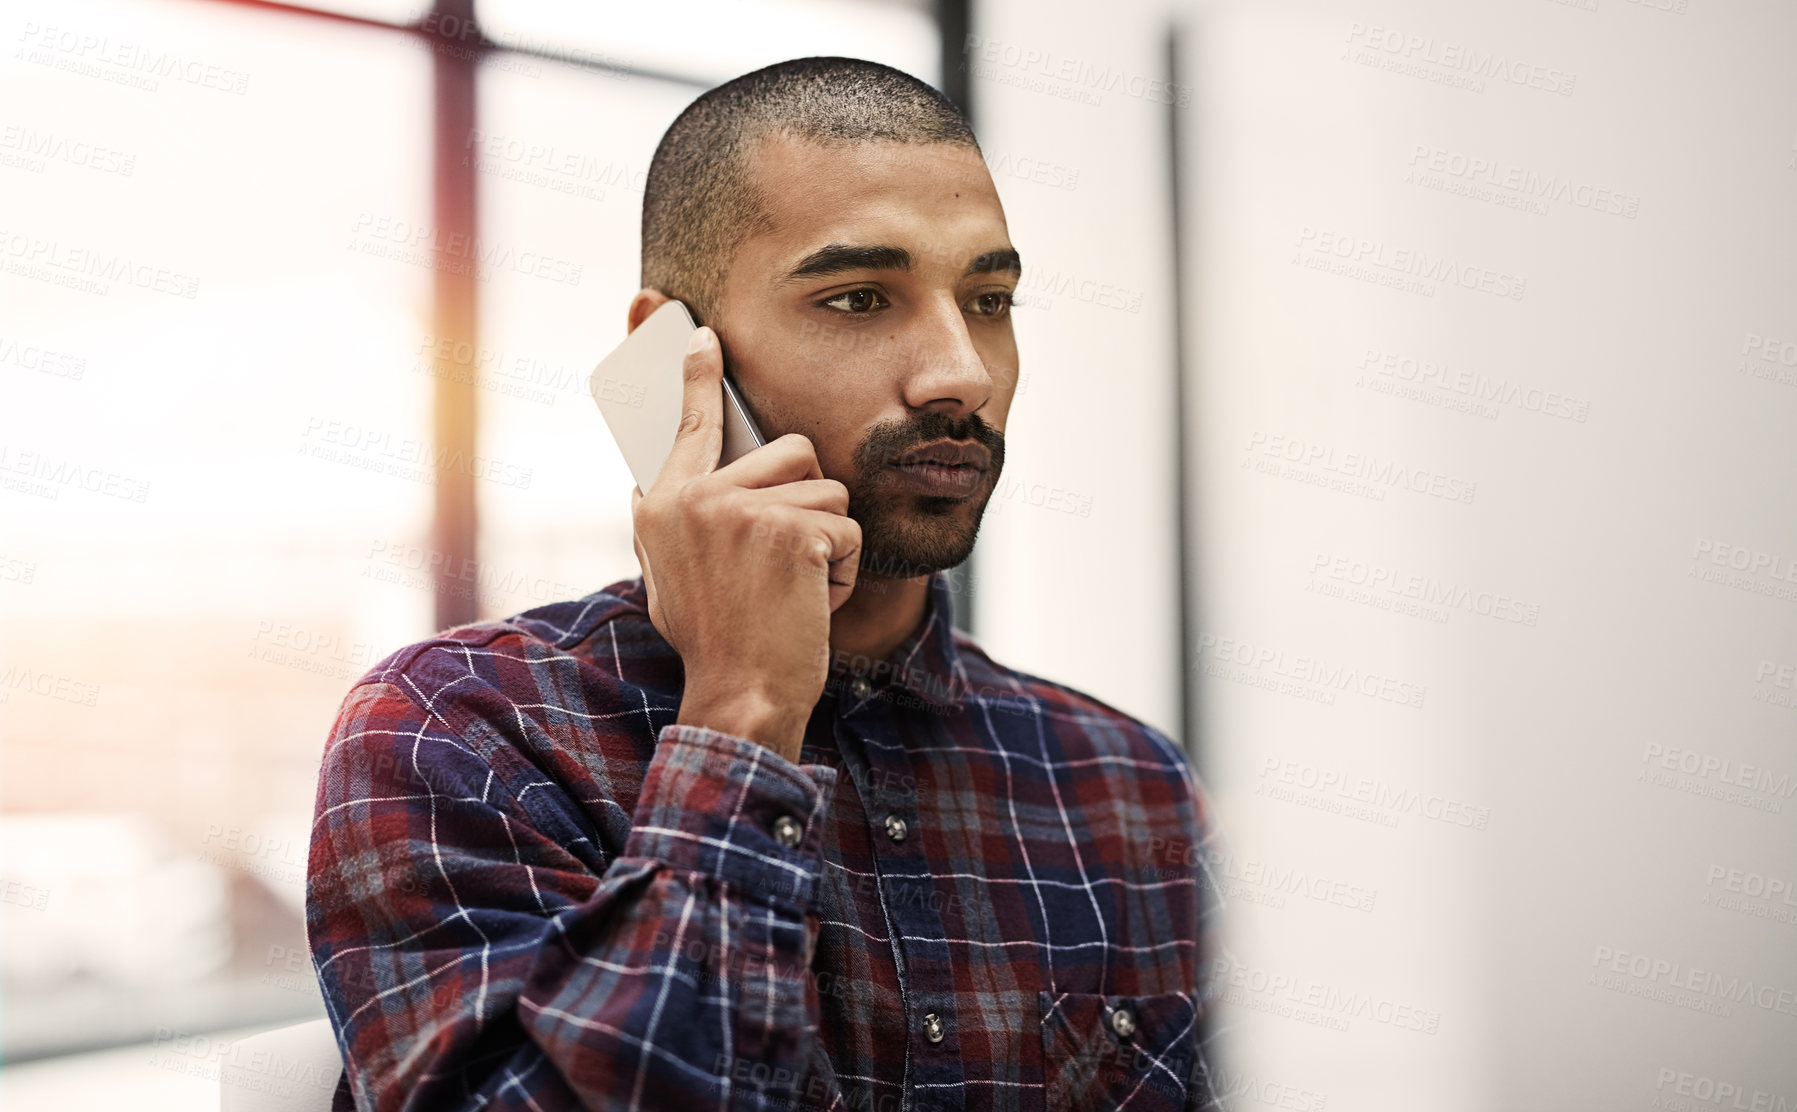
(1492, 386)
(1076, 576)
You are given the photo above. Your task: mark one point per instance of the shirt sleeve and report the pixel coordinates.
(469, 960)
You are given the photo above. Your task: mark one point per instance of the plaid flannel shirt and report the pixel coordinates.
(529, 889)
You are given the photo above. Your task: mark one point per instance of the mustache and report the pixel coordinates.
(886, 442)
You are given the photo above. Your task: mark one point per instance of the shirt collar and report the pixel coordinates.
(926, 666)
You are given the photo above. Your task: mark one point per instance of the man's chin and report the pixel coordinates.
(917, 552)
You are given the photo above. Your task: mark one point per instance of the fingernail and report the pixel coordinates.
(700, 335)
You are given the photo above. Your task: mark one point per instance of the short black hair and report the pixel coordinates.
(698, 202)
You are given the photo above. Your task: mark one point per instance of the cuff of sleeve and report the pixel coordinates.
(713, 803)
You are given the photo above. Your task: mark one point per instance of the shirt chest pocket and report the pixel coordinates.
(1117, 1052)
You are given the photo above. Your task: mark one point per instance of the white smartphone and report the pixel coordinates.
(639, 390)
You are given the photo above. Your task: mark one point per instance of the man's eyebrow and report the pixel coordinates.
(839, 258)
(995, 261)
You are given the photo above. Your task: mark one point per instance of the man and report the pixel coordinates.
(759, 829)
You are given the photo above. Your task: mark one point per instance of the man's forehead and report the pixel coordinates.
(932, 202)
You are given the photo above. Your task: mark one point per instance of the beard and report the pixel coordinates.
(905, 534)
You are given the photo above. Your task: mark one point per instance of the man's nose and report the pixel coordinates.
(944, 369)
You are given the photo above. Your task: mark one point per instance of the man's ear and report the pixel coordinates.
(645, 302)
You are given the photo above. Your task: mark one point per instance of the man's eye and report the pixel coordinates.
(857, 301)
(994, 304)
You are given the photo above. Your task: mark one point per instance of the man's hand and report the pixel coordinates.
(744, 565)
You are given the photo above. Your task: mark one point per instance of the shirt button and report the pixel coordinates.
(860, 688)
(895, 828)
(788, 832)
(932, 1027)
(1123, 1023)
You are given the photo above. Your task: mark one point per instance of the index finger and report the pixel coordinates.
(700, 439)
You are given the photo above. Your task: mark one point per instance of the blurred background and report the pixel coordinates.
(1408, 425)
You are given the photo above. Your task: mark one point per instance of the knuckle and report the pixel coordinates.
(742, 516)
(793, 526)
(692, 420)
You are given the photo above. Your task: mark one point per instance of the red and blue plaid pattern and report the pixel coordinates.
(528, 889)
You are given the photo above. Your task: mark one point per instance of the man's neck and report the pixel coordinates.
(879, 615)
